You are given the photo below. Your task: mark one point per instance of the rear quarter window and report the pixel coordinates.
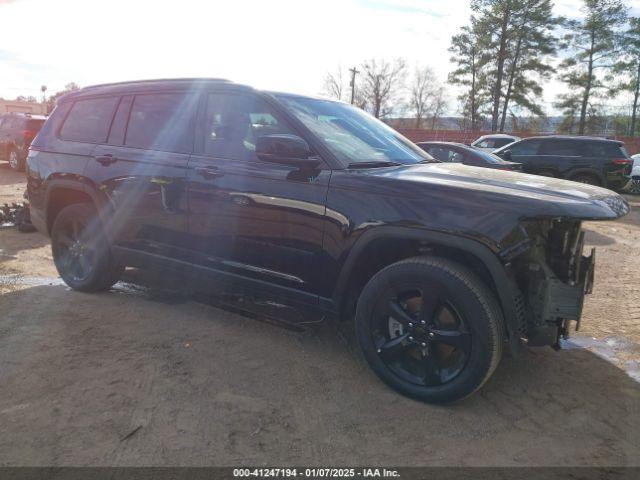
(606, 150)
(89, 120)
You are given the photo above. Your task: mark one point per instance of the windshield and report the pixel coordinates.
(351, 134)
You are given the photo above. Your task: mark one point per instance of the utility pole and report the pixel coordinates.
(354, 72)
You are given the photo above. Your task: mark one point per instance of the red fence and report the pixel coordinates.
(632, 144)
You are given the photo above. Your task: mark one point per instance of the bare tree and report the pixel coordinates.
(333, 86)
(380, 84)
(422, 93)
(438, 105)
(428, 97)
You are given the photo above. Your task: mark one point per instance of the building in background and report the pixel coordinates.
(10, 106)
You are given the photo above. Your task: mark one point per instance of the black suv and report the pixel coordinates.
(592, 160)
(17, 130)
(316, 204)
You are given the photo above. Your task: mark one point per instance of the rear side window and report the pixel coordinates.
(89, 120)
(567, 148)
(526, 147)
(162, 121)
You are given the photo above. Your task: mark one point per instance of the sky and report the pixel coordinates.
(285, 45)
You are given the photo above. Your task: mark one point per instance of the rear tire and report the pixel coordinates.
(81, 252)
(587, 179)
(430, 329)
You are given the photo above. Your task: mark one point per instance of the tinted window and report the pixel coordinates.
(89, 120)
(162, 121)
(607, 150)
(568, 148)
(501, 142)
(234, 122)
(444, 154)
(526, 147)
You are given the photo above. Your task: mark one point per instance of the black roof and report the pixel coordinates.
(575, 137)
(146, 85)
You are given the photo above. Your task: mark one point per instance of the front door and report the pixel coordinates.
(142, 170)
(260, 221)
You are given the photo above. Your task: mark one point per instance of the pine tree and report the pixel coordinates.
(629, 68)
(518, 40)
(466, 49)
(595, 42)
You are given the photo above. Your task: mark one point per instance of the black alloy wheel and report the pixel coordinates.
(430, 329)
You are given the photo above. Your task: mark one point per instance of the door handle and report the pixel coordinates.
(208, 172)
(107, 159)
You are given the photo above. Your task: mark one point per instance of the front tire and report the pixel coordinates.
(430, 329)
(14, 161)
(81, 252)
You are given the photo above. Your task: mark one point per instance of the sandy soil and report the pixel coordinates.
(134, 378)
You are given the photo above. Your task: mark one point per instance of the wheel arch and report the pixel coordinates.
(466, 251)
(574, 172)
(61, 193)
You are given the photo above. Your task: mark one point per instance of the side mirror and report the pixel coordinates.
(285, 149)
(506, 155)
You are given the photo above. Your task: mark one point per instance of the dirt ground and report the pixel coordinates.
(129, 377)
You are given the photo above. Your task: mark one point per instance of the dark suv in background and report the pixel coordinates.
(320, 206)
(596, 161)
(17, 130)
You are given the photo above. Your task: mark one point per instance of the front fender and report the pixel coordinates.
(504, 285)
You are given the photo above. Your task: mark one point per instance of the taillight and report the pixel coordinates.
(29, 134)
(621, 161)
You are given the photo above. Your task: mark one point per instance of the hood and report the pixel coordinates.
(537, 195)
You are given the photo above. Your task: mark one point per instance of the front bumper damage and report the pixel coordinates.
(554, 276)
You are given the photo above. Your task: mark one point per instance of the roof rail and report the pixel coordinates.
(156, 80)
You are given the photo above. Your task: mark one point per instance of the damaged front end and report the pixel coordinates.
(554, 272)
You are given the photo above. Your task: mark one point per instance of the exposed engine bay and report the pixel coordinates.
(554, 274)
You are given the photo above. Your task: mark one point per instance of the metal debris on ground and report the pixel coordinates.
(16, 214)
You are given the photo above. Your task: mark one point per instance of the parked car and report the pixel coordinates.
(634, 185)
(492, 142)
(591, 160)
(318, 205)
(460, 153)
(17, 130)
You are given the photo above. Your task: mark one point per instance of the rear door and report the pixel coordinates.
(141, 169)
(257, 221)
(563, 156)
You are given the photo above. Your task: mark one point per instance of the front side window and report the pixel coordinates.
(526, 147)
(234, 122)
(89, 120)
(351, 134)
(501, 142)
(162, 121)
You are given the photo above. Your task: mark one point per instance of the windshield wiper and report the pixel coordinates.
(373, 164)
